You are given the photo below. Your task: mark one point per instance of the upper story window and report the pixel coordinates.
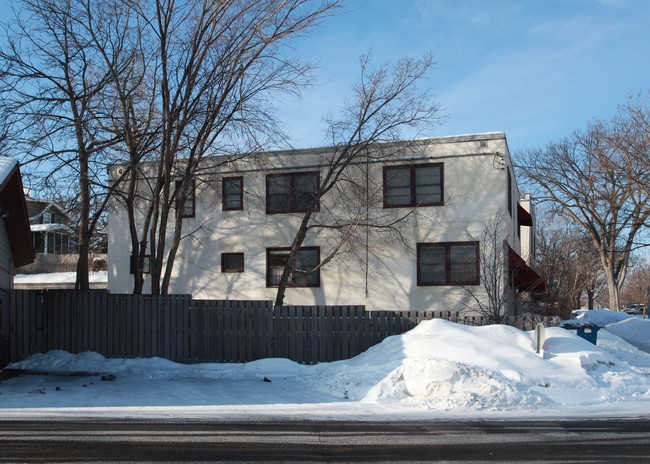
(448, 263)
(48, 218)
(413, 185)
(307, 259)
(185, 206)
(291, 193)
(233, 193)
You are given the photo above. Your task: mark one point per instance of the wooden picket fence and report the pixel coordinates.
(181, 329)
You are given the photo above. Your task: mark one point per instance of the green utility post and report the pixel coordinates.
(540, 336)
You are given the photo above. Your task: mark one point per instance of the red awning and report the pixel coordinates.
(525, 278)
(525, 219)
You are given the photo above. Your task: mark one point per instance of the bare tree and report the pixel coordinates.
(134, 81)
(53, 83)
(568, 262)
(218, 67)
(494, 296)
(384, 102)
(630, 135)
(637, 283)
(594, 178)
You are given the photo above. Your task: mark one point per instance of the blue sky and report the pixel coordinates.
(535, 69)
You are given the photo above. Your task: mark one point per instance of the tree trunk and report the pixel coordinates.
(171, 256)
(590, 299)
(136, 253)
(612, 289)
(295, 246)
(159, 230)
(82, 282)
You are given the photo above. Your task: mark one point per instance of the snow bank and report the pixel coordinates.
(601, 317)
(59, 362)
(441, 365)
(633, 329)
(438, 369)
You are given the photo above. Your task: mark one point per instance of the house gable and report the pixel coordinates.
(13, 209)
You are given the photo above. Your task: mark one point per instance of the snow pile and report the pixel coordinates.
(633, 329)
(438, 369)
(601, 317)
(59, 362)
(445, 366)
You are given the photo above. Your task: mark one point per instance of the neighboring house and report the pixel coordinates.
(15, 245)
(242, 219)
(55, 243)
(52, 228)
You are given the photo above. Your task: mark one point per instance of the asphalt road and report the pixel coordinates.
(182, 441)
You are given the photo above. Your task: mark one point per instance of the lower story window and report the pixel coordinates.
(232, 262)
(448, 263)
(302, 267)
(146, 264)
(51, 243)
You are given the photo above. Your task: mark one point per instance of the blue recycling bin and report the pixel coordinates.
(587, 331)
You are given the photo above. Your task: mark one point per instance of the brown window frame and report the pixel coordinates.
(223, 262)
(448, 281)
(412, 185)
(180, 205)
(292, 191)
(224, 207)
(292, 278)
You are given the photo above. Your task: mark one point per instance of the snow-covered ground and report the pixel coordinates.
(437, 370)
(59, 277)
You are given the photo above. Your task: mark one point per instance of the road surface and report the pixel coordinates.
(323, 441)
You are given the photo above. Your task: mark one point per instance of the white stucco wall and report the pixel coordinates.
(475, 190)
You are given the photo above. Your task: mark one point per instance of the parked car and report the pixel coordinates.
(633, 308)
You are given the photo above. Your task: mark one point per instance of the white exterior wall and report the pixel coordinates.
(474, 170)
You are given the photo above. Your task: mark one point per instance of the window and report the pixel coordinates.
(39, 242)
(413, 185)
(48, 218)
(58, 244)
(232, 262)
(291, 193)
(308, 258)
(146, 264)
(50, 244)
(452, 263)
(185, 206)
(233, 193)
